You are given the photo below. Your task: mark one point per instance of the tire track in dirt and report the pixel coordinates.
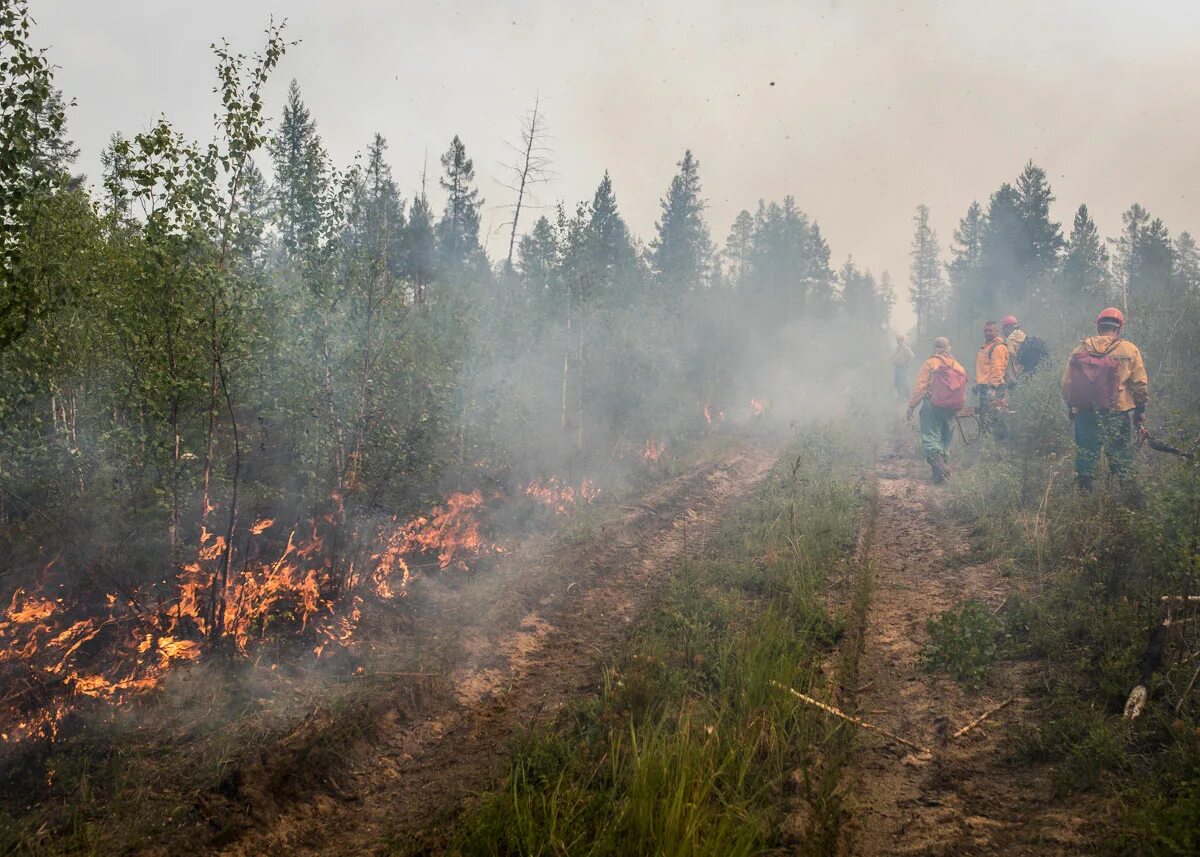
(546, 628)
(974, 796)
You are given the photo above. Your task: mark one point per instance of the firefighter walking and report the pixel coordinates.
(941, 390)
(1106, 390)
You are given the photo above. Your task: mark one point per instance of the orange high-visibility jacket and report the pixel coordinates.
(990, 363)
(921, 388)
(1133, 388)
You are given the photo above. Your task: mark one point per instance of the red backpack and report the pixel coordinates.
(948, 387)
(1092, 379)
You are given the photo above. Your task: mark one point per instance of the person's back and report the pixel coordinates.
(940, 391)
(1106, 389)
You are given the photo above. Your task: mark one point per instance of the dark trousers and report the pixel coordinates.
(1103, 432)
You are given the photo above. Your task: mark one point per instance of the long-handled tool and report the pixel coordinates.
(1159, 446)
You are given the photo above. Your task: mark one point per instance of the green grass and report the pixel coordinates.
(689, 748)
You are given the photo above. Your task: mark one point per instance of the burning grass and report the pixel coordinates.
(59, 653)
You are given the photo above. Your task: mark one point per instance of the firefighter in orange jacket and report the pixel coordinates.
(1107, 430)
(936, 430)
(991, 363)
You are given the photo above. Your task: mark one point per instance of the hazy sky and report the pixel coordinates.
(876, 106)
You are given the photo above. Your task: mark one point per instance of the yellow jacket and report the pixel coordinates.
(990, 362)
(903, 355)
(1133, 389)
(921, 388)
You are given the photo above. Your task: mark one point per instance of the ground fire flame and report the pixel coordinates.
(55, 653)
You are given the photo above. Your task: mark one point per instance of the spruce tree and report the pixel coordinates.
(738, 248)
(1004, 252)
(966, 264)
(302, 178)
(1186, 274)
(608, 247)
(538, 257)
(1145, 257)
(421, 244)
(681, 253)
(458, 230)
(1043, 237)
(1085, 269)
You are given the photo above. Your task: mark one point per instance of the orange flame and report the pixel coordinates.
(757, 407)
(654, 451)
(558, 496)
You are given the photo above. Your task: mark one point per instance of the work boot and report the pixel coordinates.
(1085, 483)
(937, 464)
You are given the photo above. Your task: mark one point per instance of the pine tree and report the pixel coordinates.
(458, 230)
(926, 290)
(738, 248)
(1085, 269)
(681, 254)
(302, 179)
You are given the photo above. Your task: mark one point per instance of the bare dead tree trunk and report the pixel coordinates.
(532, 169)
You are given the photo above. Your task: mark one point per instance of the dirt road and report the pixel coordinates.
(527, 640)
(974, 795)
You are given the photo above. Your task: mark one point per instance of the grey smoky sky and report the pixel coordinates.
(875, 106)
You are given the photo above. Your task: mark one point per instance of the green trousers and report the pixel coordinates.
(936, 429)
(1105, 432)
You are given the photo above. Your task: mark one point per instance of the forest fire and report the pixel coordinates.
(558, 496)
(654, 450)
(53, 653)
(712, 416)
(757, 407)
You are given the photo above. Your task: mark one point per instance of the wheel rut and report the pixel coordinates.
(971, 795)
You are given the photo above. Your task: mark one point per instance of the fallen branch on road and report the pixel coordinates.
(861, 724)
(983, 717)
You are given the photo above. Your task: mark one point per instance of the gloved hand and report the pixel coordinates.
(1139, 420)
(1070, 415)
(908, 416)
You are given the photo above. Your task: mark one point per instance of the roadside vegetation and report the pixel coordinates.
(689, 747)
(1091, 573)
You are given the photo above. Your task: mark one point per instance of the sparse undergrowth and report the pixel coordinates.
(688, 748)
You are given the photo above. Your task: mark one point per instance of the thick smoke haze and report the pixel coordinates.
(859, 109)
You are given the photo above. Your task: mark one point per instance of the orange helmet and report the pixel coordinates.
(1111, 315)
(1009, 319)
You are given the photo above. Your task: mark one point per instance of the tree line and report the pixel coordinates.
(239, 328)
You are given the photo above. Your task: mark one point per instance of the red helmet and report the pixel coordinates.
(1009, 319)
(1112, 314)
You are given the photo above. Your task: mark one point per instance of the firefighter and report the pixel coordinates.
(1014, 337)
(991, 367)
(1106, 390)
(941, 390)
(902, 358)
